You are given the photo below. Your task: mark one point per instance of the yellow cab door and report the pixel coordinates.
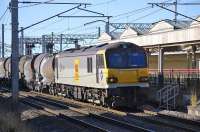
(99, 68)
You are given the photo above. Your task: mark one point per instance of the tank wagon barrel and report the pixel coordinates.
(36, 62)
(36, 82)
(28, 71)
(22, 62)
(47, 69)
(5, 71)
(2, 72)
(2, 69)
(7, 66)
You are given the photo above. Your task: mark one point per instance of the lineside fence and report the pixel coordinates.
(175, 82)
(186, 77)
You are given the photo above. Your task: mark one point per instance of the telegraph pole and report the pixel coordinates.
(2, 51)
(14, 52)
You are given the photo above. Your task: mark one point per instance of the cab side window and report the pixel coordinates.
(100, 61)
(89, 64)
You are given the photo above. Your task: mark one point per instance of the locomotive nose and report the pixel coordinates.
(128, 75)
(123, 76)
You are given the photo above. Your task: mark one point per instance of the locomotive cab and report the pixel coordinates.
(123, 69)
(123, 64)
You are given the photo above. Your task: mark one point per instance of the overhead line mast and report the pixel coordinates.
(2, 46)
(14, 52)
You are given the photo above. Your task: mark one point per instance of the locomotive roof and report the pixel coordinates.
(91, 49)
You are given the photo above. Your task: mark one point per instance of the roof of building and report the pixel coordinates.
(177, 24)
(115, 35)
(141, 28)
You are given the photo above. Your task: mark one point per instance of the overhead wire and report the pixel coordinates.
(82, 25)
(137, 10)
(131, 13)
(36, 4)
(5, 21)
(134, 12)
(31, 5)
(102, 3)
(53, 23)
(149, 14)
(4, 13)
(47, 25)
(77, 27)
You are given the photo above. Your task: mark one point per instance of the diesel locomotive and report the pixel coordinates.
(109, 74)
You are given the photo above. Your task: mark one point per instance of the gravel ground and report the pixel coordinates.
(32, 120)
(125, 118)
(180, 115)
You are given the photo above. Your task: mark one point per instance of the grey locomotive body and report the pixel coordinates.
(111, 74)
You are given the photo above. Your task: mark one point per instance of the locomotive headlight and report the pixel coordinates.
(143, 79)
(112, 80)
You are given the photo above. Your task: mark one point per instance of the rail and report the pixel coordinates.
(60, 115)
(97, 116)
(183, 125)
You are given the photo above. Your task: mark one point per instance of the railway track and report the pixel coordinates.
(158, 119)
(166, 120)
(98, 119)
(63, 116)
(179, 119)
(91, 121)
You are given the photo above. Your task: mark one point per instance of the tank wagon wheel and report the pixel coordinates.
(37, 87)
(41, 89)
(52, 91)
(55, 92)
(32, 85)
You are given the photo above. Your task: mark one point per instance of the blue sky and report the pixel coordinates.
(29, 15)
